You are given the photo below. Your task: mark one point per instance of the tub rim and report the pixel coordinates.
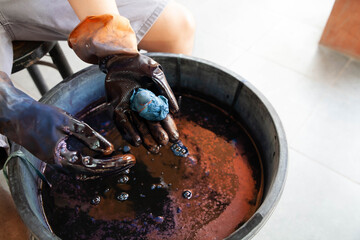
(246, 231)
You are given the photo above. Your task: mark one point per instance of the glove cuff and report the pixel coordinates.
(97, 37)
(106, 63)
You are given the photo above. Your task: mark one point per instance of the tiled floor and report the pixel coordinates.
(274, 45)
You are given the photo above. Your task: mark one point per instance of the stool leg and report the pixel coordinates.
(38, 79)
(60, 61)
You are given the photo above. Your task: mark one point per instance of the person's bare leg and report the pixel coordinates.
(173, 31)
(11, 226)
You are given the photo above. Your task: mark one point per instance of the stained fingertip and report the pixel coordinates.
(158, 133)
(170, 127)
(108, 150)
(163, 137)
(174, 137)
(137, 141)
(133, 136)
(123, 123)
(174, 107)
(150, 144)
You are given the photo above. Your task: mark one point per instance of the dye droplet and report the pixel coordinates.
(156, 186)
(77, 209)
(159, 219)
(142, 195)
(178, 210)
(123, 179)
(192, 160)
(73, 159)
(106, 190)
(81, 177)
(86, 160)
(127, 171)
(122, 196)
(95, 145)
(126, 149)
(107, 123)
(187, 194)
(96, 200)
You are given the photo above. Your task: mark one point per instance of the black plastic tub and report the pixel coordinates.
(227, 88)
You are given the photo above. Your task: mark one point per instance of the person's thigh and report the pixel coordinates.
(11, 227)
(172, 32)
(38, 20)
(6, 53)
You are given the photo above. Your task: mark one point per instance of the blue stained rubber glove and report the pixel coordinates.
(148, 105)
(43, 130)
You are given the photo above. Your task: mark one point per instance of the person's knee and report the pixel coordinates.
(182, 20)
(173, 31)
(187, 32)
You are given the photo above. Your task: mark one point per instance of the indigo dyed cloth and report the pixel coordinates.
(148, 105)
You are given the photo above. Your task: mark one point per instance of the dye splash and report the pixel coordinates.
(205, 195)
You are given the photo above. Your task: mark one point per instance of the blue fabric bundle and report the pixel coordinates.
(148, 105)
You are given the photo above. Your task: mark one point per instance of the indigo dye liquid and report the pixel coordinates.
(206, 195)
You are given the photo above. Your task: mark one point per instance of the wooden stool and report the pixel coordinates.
(29, 53)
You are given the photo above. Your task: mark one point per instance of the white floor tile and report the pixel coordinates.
(238, 22)
(293, 95)
(311, 12)
(295, 45)
(224, 55)
(332, 133)
(317, 204)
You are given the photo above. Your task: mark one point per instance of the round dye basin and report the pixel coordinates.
(229, 90)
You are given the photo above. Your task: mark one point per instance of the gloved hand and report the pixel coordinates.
(126, 73)
(43, 130)
(110, 41)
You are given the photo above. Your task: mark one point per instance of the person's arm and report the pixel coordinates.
(108, 40)
(43, 129)
(84, 8)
